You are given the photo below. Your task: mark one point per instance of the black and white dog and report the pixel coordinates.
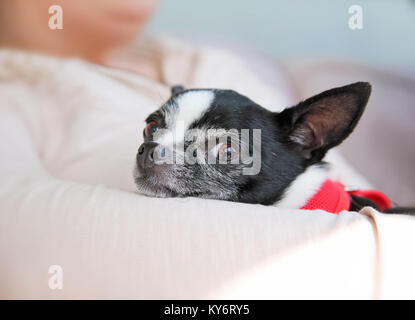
(219, 144)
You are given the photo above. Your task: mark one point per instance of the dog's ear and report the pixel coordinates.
(325, 120)
(176, 89)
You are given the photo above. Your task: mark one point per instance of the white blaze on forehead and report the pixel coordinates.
(192, 105)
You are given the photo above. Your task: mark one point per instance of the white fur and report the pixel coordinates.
(303, 187)
(192, 105)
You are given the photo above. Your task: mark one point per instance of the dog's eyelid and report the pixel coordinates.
(157, 116)
(215, 150)
(151, 128)
(151, 119)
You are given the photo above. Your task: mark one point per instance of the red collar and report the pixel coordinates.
(332, 197)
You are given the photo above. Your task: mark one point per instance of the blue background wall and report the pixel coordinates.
(299, 28)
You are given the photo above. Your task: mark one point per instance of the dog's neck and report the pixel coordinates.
(305, 186)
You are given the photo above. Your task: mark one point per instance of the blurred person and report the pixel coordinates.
(93, 30)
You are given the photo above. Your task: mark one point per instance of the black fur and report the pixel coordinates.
(176, 90)
(283, 159)
(280, 165)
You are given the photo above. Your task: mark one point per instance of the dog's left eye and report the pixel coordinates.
(151, 127)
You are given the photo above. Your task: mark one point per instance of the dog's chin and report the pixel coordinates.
(164, 184)
(150, 186)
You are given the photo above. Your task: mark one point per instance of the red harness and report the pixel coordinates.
(332, 197)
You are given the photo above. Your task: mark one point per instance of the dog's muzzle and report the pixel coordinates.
(150, 154)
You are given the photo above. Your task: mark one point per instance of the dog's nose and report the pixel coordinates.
(149, 153)
(145, 154)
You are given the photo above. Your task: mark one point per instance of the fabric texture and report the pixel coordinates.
(69, 133)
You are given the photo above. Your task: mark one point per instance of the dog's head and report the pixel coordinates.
(219, 144)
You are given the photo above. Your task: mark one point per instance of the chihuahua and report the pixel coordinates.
(219, 144)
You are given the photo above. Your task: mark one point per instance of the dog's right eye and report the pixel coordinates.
(151, 127)
(226, 151)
